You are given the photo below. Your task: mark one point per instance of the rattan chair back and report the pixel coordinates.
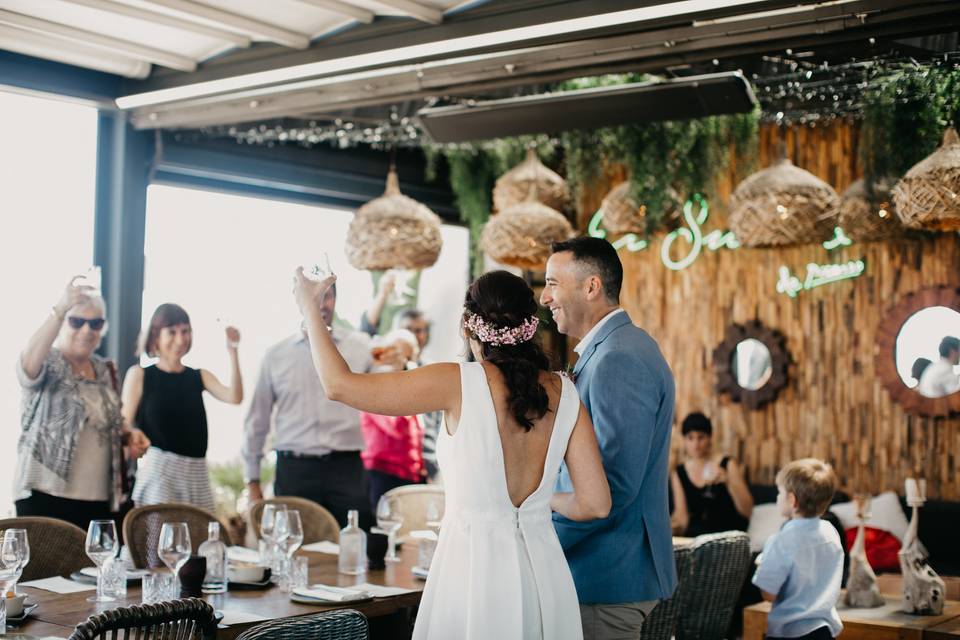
(318, 523)
(57, 547)
(415, 505)
(141, 529)
(661, 624)
(341, 624)
(719, 564)
(187, 619)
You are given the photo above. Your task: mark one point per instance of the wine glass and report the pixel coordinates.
(101, 544)
(15, 551)
(174, 547)
(268, 521)
(320, 270)
(389, 519)
(294, 531)
(709, 475)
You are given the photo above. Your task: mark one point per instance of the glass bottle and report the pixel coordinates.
(215, 580)
(353, 547)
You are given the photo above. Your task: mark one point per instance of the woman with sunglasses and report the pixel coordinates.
(70, 451)
(166, 401)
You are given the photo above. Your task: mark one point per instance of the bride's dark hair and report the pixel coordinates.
(502, 299)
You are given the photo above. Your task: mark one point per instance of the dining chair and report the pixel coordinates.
(186, 619)
(340, 624)
(415, 501)
(141, 529)
(719, 564)
(318, 523)
(661, 624)
(57, 547)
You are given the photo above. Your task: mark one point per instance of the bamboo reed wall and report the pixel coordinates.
(834, 406)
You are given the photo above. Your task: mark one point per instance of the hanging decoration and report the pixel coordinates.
(869, 214)
(521, 235)
(393, 232)
(928, 196)
(783, 205)
(621, 213)
(512, 187)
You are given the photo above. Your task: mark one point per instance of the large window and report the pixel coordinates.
(47, 182)
(233, 257)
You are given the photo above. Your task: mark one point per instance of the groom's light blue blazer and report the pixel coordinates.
(628, 390)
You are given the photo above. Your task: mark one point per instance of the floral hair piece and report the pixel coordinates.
(496, 336)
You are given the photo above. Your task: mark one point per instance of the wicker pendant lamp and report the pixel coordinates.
(621, 214)
(864, 218)
(393, 232)
(928, 196)
(513, 186)
(521, 235)
(783, 205)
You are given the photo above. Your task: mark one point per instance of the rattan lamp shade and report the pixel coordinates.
(521, 235)
(783, 205)
(513, 186)
(864, 218)
(928, 196)
(393, 232)
(621, 214)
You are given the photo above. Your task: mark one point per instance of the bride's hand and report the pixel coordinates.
(309, 293)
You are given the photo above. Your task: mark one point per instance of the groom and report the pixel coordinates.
(623, 564)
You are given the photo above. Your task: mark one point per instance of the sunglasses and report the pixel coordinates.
(77, 323)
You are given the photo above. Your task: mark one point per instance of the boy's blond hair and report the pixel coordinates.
(812, 481)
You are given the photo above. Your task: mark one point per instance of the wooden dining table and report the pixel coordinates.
(58, 614)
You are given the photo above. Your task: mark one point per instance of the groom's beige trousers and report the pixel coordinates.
(614, 621)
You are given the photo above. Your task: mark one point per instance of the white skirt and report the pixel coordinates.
(169, 477)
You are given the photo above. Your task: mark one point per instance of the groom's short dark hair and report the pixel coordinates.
(601, 259)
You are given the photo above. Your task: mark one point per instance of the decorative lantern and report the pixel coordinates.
(513, 186)
(393, 232)
(783, 205)
(621, 214)
(521, 235)
(928, 196)
(863, 217)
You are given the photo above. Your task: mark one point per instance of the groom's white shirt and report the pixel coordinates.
(596, 328)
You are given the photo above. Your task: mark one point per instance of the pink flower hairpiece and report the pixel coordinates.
(496, 336)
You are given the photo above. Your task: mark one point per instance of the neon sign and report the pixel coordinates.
(840, 239)
(817, 276)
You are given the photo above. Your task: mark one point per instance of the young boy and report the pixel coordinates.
(801, 566)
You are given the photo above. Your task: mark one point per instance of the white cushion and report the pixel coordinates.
(764, 522)
(885, 514)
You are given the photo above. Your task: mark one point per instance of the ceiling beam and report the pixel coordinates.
(416, 10)
(236, 21)
(343, 8)
(125, 47)
(63, 78)
(155, 17)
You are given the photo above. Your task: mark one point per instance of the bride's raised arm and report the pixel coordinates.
(435, 387)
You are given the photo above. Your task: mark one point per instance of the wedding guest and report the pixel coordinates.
(939, 379)
(393, 456)
(373, 318)
(710, 493)
(317, 440)
(71, 446)
(166, 401)
(801, 566)
(919, 366)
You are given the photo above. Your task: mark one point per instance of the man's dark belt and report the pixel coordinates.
(296, 455)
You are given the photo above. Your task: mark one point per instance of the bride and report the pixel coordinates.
(498, 571)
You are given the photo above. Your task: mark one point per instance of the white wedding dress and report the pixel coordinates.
(499, 572)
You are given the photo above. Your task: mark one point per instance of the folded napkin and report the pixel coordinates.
(378, 591)
(327, 593)
(132, 574)
(240, 617)
(243, 554)
(324, 546)
(58, 585)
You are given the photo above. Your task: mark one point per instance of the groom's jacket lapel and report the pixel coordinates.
(612, 325)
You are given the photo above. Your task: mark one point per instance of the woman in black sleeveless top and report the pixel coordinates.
(709, 492)
(165, 400)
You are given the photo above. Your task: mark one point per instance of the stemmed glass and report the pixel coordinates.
(709, 475)
(174, 548)
(268, 521)
(289, 532)
(320, 270)
(434, 512)
(389, 519)
(101, 544)
(15, 552)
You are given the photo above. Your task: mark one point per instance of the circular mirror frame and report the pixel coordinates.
(885, 360)
(779, 363)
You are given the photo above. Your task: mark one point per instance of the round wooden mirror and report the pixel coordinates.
(751, 363)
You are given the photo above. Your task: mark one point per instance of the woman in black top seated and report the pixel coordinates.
(710, 493)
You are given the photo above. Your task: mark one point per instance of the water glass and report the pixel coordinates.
(8, 576)
(426, 546)
(299, 572)
(152, 588)
(114, 578)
